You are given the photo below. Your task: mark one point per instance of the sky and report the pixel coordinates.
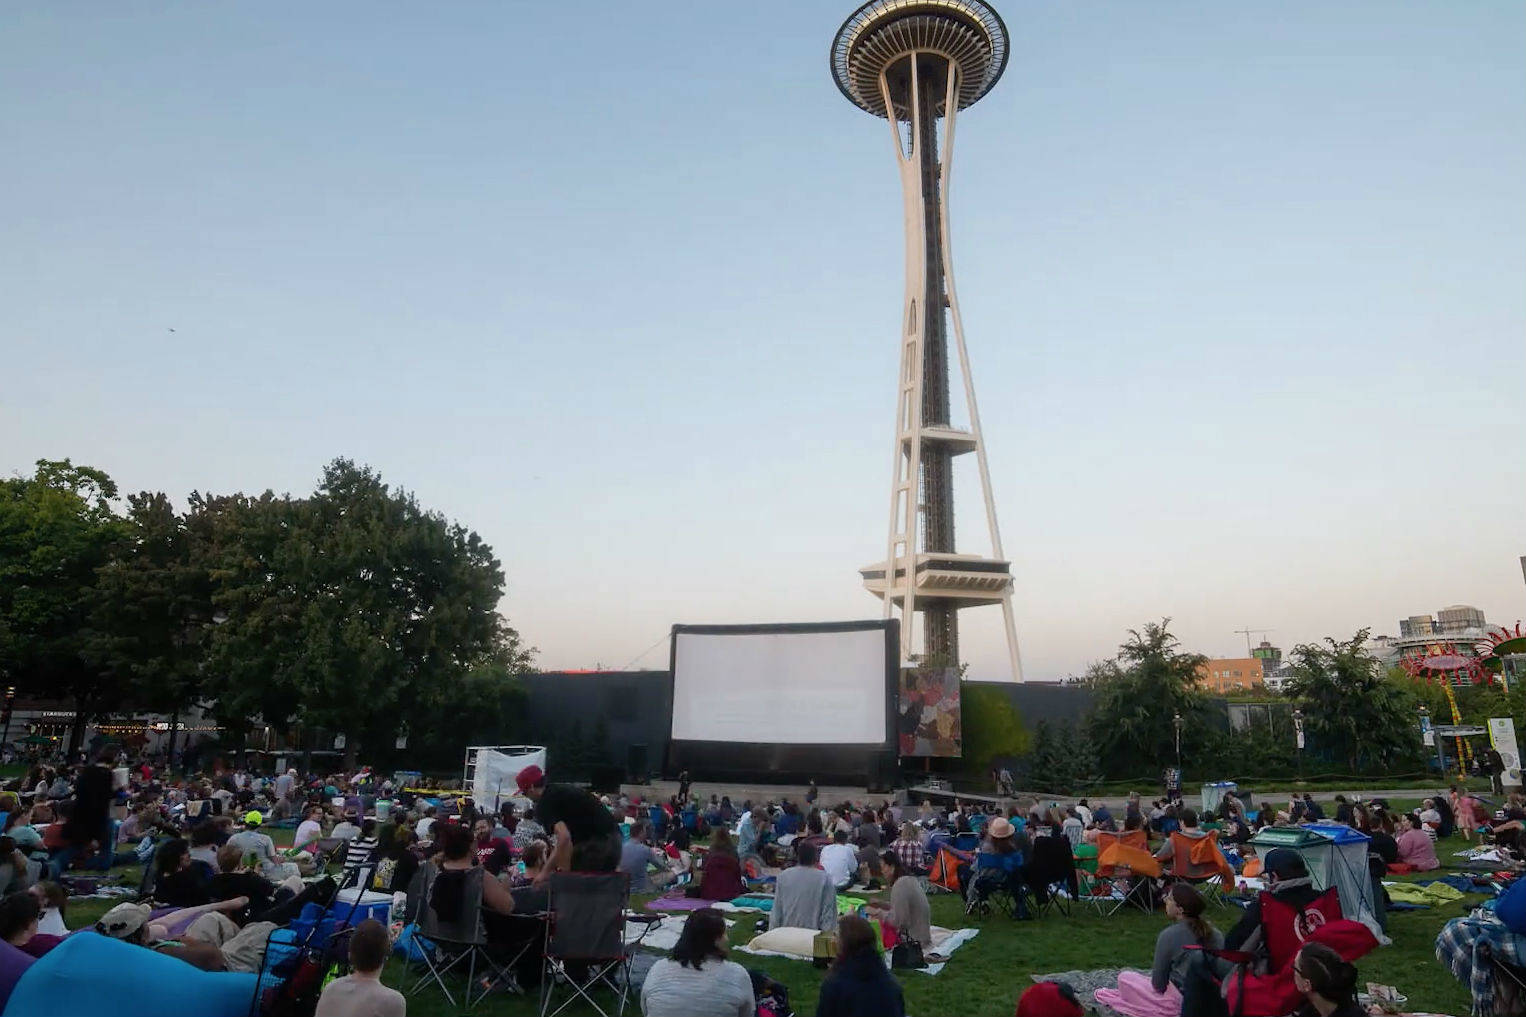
(618, 286)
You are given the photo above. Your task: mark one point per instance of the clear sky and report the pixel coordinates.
(618, 286)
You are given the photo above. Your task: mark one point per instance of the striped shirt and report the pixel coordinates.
(358, 852)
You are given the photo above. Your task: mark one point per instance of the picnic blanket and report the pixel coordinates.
(945, 942)
(680, 903)
(1429, 894)
(1086, 984)
(659, 937)
(1467, 945)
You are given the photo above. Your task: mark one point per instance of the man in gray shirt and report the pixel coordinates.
(804, 897)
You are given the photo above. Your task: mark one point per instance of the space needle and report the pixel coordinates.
(917, 63)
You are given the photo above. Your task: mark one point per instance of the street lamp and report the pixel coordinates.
(1298, 738)
(1176, 722)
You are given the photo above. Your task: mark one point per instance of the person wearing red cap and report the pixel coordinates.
(585, 837)
(1049, 999)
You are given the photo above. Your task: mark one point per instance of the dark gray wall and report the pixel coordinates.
(636, 710)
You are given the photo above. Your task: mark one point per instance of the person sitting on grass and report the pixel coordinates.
(720, 876)
(309, 831)
(908, 911)
(804, 897)
(179, 881)
(54, 901)
(361, 992)
(638, 856)
(859, 984)
(1416, 846)
(697, 978)
(19, 917)
(840, 861)
(1158, 993)
(1288, 881)
(908, 848)
(1327, 982)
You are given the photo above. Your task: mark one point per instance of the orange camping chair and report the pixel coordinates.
(1123, 863)
(1200, 862)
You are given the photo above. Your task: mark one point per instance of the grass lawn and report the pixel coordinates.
(985, 976)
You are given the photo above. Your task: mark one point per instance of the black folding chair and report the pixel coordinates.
(585, 946)
(1052, 875)
(452, 936)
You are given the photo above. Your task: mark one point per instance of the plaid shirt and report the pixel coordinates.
(1466, 946)
(912, 855)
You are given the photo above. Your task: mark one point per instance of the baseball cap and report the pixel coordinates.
(123, 921)
(529, 777)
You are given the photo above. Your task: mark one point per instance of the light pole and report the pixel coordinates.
(1298, 738)
(1176, 722)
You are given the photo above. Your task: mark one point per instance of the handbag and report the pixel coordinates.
(907, 953)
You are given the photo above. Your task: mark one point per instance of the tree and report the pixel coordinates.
(354, 610)
(58, 529)
(1136, 697)
(1352, 706)
(154, 605)
(993, 732)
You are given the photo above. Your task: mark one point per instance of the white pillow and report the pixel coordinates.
(795, 942)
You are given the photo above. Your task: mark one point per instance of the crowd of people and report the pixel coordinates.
(215, 882)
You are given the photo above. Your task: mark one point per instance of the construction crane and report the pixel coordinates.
(1247, 633)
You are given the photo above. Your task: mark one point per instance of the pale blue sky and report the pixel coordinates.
(618, 286)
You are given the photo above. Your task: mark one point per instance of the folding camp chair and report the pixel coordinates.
(327, 850)
(1207, 875)
(1052, 875)
(452, 937)
(585, 945)
(1122, 860)
(997, 881)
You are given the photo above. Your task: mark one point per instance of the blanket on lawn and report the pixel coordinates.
(680, 903)
(945, 942)
(1430, 894)
(1086, 984)
(657, 937)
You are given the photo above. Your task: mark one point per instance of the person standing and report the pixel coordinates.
(585, 837)
(90, 822)
(1496, 767)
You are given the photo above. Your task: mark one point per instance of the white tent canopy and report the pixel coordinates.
(491, 771)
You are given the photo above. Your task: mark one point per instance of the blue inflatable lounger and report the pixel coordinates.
(90, 973)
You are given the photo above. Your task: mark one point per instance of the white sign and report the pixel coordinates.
(1502, 734)
(1427, 736)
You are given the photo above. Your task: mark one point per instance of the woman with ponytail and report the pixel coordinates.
(1157, 994)
(1327, 983)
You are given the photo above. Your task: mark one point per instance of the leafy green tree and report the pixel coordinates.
(58, 529)
(993, 731)
(1135, 698)
(1047, 763)
(354, 610)
(154, 605)
(1352, 706)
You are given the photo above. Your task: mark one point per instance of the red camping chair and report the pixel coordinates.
(1286, 929)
